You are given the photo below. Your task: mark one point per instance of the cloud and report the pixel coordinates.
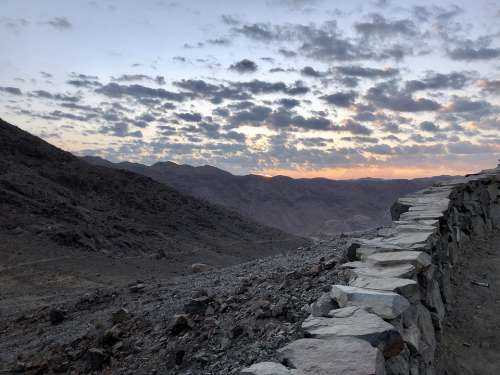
(115, 90)
(60, 23)
(160, 80)
(289, 103)
(341, 99)
(473, 50)
(13, 24)
(190, 117)
(11, 90)
(257, 31)
(359, 71)
(356, 128)
(463, 104)
(429, 126)
(287, 53)
(244, 66)
(434, 81)
(380, 27)
(46, 75)
(490, 86)
(386, 95)
(309, 71)
(120, 129)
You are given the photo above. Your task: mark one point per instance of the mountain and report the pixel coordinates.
(54, 205)
(304, 207)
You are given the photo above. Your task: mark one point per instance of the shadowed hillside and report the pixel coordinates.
(52, 200)
(301, 206)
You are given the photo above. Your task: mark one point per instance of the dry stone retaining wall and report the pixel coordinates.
(388, 319)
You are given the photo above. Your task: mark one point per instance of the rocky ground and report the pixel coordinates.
(471, 344)
(214, 322)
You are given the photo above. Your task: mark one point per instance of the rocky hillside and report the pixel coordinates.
(300, 206)
(52, 200)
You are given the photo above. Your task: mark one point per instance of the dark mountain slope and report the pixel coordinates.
(300, 206)
(50, 199)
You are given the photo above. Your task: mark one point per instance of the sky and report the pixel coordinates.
(304, 88)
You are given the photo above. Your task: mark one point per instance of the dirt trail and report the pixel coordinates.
(471, 341)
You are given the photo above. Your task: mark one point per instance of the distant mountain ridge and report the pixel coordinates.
(306, 207)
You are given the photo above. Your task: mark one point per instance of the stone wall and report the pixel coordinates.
(389, 317)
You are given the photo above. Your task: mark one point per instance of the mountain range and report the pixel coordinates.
(305, 207)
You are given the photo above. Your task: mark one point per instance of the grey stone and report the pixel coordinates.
(339, 356)
(200, 267)
(418, 259)
(97, 358)
(323, 305)
(419, 332)
(356, 323)
(402, 271)
(57, 316)
(387, 305)
(406, 287)
(266, 368)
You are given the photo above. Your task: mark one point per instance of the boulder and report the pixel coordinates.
(179, 324)
(97, 358)
(338, 356)
(323, 305)
(266, 368)
(200, 267)
(197, 306)
(57, 316)
(357, 322)
(120, 316)
(387, 305)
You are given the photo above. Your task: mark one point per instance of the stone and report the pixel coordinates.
(406, 287)
(339, 356)
(137, 288)
(402, 271)
(200, 267)
(112, 335)
(197, 306)
(266, 368)
(419, 332)
(435, 301)
(387, 305)
(418, 259)
(56, 316)
(344, 312)
(179, 324)
(97, 358)
(120, 316)
(323, 305)
(356, 323)
(400, 364)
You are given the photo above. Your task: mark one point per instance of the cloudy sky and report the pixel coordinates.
(306, 88)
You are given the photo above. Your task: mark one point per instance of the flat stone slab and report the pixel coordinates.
(405, 271)
(418, 259)
(266, 368)
(406, 287)
(403, 240)
(421, 215)
(387, 305)
(339, 356)
(358, 323)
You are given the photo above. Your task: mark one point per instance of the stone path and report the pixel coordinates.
(399, 282)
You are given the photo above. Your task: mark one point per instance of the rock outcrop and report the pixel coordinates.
(394, 304)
